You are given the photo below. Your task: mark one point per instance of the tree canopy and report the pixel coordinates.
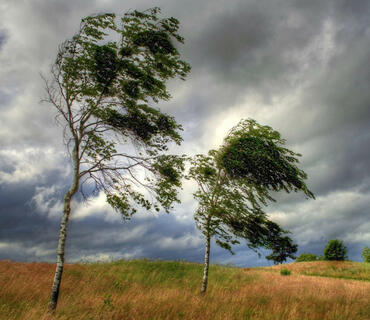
(103, 84)
(335, 250)
(230, 210)
(255, 154)
(236, 181)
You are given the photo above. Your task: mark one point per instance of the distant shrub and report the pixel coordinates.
(335, 250)
(366, 254)
(307, 257)
(285, 272)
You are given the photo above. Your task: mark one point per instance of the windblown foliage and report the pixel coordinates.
(230, 209)
(234, 183)
(104, 79)
(255, 154)
(103, 83)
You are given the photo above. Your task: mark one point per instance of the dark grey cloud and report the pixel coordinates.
(298, 66)
(273, 49)
(3, 38)
(247, 46)
(27, 235)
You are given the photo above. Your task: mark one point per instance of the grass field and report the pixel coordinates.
(333, 269)
(141, 289)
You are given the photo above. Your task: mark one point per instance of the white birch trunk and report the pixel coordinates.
(63, 232)
(206, 264)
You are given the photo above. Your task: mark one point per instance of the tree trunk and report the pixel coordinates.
(206, 264)
(63, 232)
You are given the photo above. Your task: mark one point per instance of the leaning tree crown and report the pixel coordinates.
(102, 84)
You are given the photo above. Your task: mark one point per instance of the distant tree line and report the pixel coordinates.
(335, 250)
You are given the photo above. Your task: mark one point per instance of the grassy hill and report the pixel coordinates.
(142, 289)
(332, 269)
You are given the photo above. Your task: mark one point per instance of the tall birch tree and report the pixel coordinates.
(102, 84)
(236, 181)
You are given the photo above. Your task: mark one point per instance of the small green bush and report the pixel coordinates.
(366, 254)
(335, 250)
(307, 257)
(285, 272)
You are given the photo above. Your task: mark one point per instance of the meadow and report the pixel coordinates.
(144, 289)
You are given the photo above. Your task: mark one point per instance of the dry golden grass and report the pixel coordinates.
(170, 290)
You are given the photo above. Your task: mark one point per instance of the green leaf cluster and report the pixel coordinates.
(106, 82)
(335, 250)
(255, 154)
(116, 79)
(169, 174)
(235, 181)
(366, 254)
(305, 257)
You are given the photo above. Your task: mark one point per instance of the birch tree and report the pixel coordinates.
(103, 84)
(235, 183)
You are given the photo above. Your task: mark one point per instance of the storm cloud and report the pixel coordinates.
(298, 66)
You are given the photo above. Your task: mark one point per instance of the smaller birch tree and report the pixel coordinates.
(102, 84)
(234, 183)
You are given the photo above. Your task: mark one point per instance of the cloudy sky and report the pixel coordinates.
(302, 67)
